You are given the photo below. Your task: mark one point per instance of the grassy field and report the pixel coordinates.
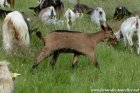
(120, 67)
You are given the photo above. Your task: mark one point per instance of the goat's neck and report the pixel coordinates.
(98, 36)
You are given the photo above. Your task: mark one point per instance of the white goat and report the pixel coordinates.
(48, 16)
(15, 31)
(70, 17)
(128, 28)
(98, 15)
(4, 3)
(6, 78)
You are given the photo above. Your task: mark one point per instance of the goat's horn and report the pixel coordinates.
(14, 75)
(34, 30)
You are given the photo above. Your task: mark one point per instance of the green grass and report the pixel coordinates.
(120, 68)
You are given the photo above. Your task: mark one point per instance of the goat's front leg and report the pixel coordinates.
(125, 42)
(75, 59)
(54, 59)
(130, 39)
(130, 42)
(93, 60)
(44, 54)
(138, 48)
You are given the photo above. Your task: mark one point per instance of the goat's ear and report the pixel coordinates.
(103, 27)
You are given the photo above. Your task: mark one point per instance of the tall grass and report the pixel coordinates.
(120, 68)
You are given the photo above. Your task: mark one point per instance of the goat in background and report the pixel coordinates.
(57, 4)
(70, 17)
(82, 8)
(4, 3)
(48, 16)
(15, 31)
(127, 30)
(121, 12)
(98, 15)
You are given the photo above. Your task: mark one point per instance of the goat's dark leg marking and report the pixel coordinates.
(74, 61)
(44, 54)
(54, 59)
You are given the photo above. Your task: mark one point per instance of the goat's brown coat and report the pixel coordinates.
(75, 42)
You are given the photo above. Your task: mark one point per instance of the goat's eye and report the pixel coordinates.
(100, 12)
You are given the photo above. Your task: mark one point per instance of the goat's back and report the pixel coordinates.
(130, 25)
(67, 40)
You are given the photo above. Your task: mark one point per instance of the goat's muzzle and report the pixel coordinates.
(112, 40)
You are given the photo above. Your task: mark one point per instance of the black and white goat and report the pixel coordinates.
(98, 15)
(48, 16)
(121, 12)
(82, 8)
(70, 17)
(57, 4)
(15, 31)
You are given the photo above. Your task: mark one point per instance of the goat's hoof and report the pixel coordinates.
(53, 67)
(75, 65)
(32, 71)
(33, 68)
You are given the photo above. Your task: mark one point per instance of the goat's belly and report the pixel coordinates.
(68, 50)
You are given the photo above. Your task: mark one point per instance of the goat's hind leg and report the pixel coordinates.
(44, 54)
(75, 59)
(54, 59)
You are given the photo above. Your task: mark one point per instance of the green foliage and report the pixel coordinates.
(120, 68)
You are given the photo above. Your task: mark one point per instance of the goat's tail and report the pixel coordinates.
(40, 36)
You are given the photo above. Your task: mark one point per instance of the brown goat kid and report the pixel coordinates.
(62, 41)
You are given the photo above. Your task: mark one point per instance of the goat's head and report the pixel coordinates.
(111, 38)
(121, 11)
(4, 68)
(36, 9)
